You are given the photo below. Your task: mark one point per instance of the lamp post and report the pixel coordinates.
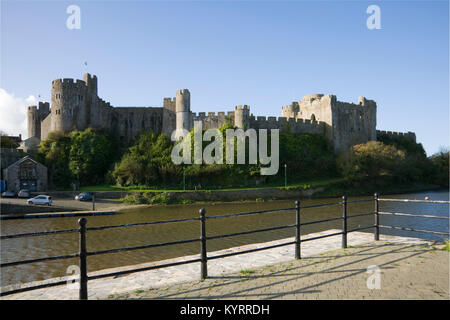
(184, 179)
(78, 178)
(285, 175)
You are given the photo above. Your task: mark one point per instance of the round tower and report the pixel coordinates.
(34, 123)
(241, 116)
(68, 110)
(183, 109)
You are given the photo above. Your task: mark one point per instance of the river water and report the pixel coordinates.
(43, 246)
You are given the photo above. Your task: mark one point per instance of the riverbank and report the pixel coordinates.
(324, 189)
(121, 200)
(324, 272)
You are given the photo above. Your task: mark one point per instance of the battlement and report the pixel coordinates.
(88, 76)
(392, 134)
(242, 107)
(69, 82)
(169, 100)
(182, 91)
(169, 103)
(211, 115)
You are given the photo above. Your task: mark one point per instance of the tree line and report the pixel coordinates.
(93, 157)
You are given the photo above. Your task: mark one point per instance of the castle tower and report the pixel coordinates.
(91, 83)
(68, 110)
(34, 122)
(44, 110)
(370, 107)
(183, 109)
(291, 110)
(241, 116)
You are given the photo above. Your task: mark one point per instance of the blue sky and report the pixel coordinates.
(262, 53)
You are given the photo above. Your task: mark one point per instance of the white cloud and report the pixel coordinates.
(13, 113)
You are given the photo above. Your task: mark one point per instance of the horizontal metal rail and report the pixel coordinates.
(321, 205)
(249, 232)
(39, 286)
(15, 263)
(248, 213)
(412, 215)
(320, 237)
(147, 246)
(413, 200)
(361, 214)
(361, 228)
(250, 250)
(33, 234)
(361, 200)
(415, 230)
(140, 224)
(320, 221)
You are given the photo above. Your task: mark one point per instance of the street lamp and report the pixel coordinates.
(184, 179)
(78, 178)
(285, 175)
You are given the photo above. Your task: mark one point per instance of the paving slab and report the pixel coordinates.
(325, 272)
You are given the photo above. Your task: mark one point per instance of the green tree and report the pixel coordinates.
(440, 164)
(148, 162)
(91, 155)
(6, 142)
(54, 154)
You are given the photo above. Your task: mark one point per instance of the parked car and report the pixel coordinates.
(24, 193)
(8, 194)
(84, 196)
(41, 199)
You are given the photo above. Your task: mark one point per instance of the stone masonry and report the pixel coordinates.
(75, 105)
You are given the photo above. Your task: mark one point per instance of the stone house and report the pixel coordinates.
(26, 173)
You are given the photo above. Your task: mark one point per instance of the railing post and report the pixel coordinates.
(344, 222)
(203, 257)
(297, 230)
(377, 219)
(83, 264)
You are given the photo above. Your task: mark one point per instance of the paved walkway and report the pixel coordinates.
(406, 271)
(407, 268)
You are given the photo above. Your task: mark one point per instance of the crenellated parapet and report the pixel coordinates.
(393, 134)
(212, 120)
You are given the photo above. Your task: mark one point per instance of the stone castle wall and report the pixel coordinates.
(75, 105)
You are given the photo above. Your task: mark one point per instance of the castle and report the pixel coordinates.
(75, 105)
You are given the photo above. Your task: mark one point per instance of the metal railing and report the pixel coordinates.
(203, 259)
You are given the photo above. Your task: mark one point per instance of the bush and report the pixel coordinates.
(148, 162)
(440, 163)
(372, 162)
